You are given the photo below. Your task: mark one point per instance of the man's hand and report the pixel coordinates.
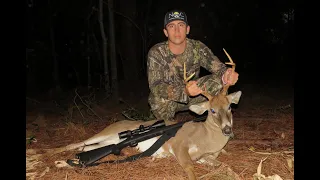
(192, 88)
(230, 77)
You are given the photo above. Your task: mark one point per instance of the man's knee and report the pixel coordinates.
(162, 109)
(210, 83)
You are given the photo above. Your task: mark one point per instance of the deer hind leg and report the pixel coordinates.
(98, 141)
(105, 142)
(94, 142)
(185, 161)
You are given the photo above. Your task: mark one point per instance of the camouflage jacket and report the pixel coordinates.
(165, 70)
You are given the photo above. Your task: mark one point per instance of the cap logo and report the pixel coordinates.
(176, 15)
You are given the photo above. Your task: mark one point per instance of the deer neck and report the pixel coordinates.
(215, 133)
(210, 124)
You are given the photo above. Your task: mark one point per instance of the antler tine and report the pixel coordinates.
(185, 74)
(230, 59)
(205, 93)
(225, 88)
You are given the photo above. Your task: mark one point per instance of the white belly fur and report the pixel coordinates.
(143, 146)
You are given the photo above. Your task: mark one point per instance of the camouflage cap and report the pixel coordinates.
(175, 15)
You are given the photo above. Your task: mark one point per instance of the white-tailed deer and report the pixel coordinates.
(194, 141)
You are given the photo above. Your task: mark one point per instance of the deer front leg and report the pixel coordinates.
(210, 159)
(185, 161)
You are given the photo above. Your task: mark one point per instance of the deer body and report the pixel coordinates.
(190, 135)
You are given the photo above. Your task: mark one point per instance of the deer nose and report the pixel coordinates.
(227, 131)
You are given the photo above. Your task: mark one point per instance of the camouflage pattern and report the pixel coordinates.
(165, 76)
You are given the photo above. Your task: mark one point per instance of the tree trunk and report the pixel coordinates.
(53, 51)
(145, 34)
(89, 72)
(129, 41)
(104, 49)
(113, 60)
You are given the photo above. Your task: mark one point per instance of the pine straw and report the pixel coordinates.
(240, 163)
(142, 169)
(245, 162)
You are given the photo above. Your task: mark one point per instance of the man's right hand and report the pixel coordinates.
(192, 88)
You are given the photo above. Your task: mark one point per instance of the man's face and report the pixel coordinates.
(176, 31)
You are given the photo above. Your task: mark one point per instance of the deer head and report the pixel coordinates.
(219, 106)
(219, 111)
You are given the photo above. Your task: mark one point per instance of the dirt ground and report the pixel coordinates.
(263, 128)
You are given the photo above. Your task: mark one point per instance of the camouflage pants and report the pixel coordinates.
(166, 109)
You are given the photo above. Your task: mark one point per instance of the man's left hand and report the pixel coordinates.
(230, 77)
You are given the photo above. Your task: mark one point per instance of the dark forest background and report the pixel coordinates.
(101, 44)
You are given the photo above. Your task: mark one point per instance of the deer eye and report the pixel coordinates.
(212, 110)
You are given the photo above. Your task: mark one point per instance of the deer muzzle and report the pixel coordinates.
(227, 131)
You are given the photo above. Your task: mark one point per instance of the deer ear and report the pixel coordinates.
(199, 108)
(234, 97)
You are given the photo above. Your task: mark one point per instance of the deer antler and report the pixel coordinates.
(225, 88)
(185, 74)
(230, 59)
(205, 93)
